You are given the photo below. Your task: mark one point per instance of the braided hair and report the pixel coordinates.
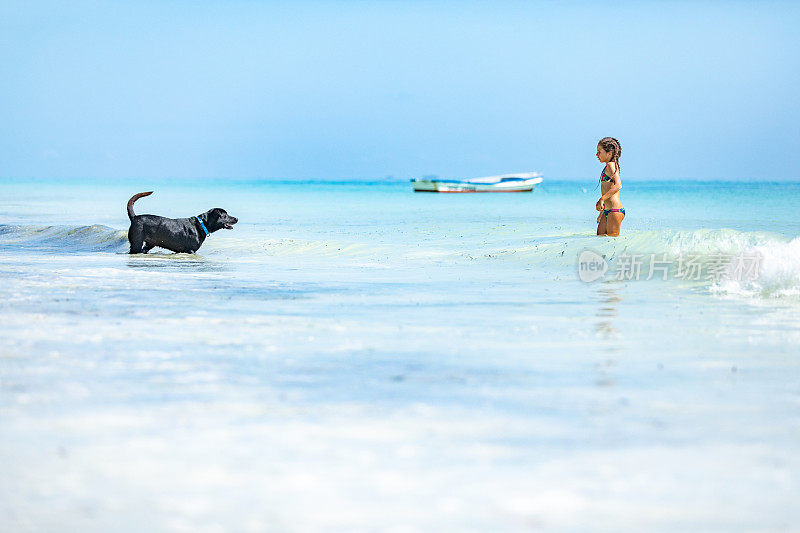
(610, 144)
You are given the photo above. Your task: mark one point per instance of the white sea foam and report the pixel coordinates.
(778, 275)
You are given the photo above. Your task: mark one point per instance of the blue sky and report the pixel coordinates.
(334, 90)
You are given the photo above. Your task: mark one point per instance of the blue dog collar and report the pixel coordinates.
(202, 225)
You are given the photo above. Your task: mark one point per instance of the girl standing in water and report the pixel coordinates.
(610, 206)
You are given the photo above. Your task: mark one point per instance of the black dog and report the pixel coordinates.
(184, 235)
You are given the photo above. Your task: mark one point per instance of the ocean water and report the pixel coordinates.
(354, 356)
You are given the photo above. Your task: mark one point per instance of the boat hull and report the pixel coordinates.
(495, 184)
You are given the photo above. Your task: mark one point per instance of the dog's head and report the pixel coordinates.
(218, 218)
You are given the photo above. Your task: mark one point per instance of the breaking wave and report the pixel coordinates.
(752, 264)
(94, 238)
(777, 275)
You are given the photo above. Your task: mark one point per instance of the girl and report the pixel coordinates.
(610, 206)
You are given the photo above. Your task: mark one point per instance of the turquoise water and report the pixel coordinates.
(355, 356)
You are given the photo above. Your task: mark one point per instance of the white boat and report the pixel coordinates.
(523, 182)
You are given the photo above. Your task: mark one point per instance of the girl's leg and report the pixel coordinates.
(613, 223)
(601, 226)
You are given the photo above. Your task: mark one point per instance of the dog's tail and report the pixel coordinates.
(135, 197)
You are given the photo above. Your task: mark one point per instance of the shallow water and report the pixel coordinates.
(355, 356)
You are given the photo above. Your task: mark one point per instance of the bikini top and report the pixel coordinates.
(603, 176)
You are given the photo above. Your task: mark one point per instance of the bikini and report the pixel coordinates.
(604, 177)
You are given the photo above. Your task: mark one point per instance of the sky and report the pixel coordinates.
(356, 89)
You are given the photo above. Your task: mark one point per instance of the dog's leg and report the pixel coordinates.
(136, 238)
